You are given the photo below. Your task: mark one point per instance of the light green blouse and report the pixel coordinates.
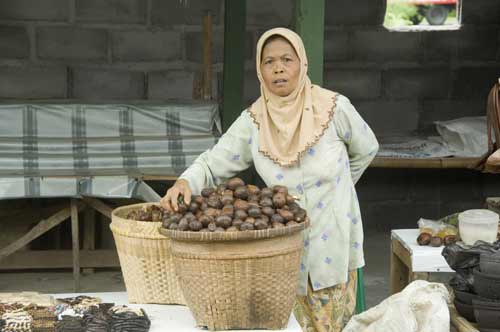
(323, 180)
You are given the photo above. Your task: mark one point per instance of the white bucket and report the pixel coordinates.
(478, 224)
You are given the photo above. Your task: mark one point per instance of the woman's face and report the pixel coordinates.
(280, 67)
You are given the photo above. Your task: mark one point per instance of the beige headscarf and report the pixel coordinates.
(289, 125)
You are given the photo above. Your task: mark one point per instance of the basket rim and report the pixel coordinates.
(119, 209)
(190, 236)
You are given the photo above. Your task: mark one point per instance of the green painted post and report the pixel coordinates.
(234, 60)
(310, 25)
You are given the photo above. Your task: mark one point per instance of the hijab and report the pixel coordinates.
(290, 125)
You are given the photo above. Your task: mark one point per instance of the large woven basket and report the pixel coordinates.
(239, 280)
(145, 259)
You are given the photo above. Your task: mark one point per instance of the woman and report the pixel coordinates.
(313, 141)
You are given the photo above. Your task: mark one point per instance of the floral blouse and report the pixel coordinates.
(323, 181)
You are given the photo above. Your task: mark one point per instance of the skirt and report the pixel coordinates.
(328, 309)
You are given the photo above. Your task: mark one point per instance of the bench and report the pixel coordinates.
(89, 152)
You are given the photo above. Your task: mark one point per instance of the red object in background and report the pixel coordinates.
(430, 2)
(435, 11)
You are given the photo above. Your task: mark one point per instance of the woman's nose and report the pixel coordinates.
(278, 69)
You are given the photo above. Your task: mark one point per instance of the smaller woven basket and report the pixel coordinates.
(239, 280)
(145, 259)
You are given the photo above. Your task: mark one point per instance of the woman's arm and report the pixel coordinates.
(230, 155)
(361, 143)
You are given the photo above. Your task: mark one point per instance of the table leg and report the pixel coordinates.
(399, 272)
(418, 276)
(89, 232)
(76, 244)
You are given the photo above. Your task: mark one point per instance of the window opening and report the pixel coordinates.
(422, 14)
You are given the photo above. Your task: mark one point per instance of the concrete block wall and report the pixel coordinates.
(105, 49)
(403, 81)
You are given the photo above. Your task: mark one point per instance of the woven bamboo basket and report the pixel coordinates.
(145, 259)
(239, 280)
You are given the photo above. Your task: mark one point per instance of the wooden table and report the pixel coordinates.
(409, 261)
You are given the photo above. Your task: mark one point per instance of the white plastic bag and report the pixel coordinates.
(465, 137)
(421, 307)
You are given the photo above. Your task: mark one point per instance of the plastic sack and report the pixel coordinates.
(464, 260)
(437, 228)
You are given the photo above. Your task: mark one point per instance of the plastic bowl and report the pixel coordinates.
(490, 263)
(487, 285)
(465, 310)
(487, 314)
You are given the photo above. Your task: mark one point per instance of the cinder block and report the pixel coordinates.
(93, 83)
(416, 83)
(337, 46)
(173, 84)
(481, 12)
(385, 216)
(443, 110)
(355, 83)
(385, 45)
(490, 183)
(270, 14)
(111, 11)
(71, 43)
(474, 82)
(146, 45)
(361, 12)
(448, 207)
(389, 118)
(168, 13)
(47, 10)
(194, 46)
(460, 185)
(14, 42)
(478, 44)
(33, 82)
(426, 186)
(440, 45)
(378, 185)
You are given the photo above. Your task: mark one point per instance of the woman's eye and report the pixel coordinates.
(267, 62)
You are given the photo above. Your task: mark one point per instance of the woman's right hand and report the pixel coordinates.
(180, 187)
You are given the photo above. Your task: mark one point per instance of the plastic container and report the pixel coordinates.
(478, 224)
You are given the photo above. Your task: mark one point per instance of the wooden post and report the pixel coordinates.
(399, 274)
(207, 57)
(76, 244)
(89, 232)
(310, 25)
(234, 60)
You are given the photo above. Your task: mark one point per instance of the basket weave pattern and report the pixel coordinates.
(145, 259)
(239, 284)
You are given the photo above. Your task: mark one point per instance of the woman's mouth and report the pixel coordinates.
(280, 82)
